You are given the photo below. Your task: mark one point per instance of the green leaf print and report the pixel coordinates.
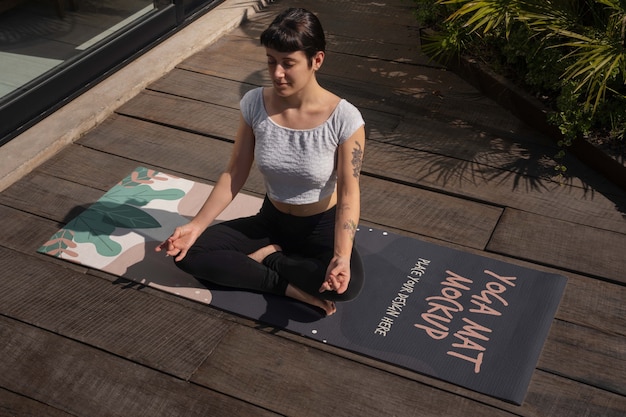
(118, 208)
(125, 216)
(96, 224)
(140, 195)
(91, 227)
(60, 243)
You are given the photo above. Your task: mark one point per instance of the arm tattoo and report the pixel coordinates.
(350, 226)
(357, 160)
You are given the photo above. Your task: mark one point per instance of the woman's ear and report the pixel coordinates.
(318, 60)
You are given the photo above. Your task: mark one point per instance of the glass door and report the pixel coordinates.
(37, 37)
(50, 50)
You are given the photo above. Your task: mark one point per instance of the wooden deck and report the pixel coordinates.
(442, 162)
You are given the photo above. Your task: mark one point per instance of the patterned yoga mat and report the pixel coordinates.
(463, 318)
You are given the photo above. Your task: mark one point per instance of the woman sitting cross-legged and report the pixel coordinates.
(308, 145)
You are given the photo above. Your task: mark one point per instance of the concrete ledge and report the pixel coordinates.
(43, 140)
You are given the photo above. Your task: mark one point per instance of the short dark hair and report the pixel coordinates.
(295, 29)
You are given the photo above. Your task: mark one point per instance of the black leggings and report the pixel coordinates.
(220, 255)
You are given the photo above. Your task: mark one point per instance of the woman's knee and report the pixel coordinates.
(186, 264)
(357, 276)
(354, 288)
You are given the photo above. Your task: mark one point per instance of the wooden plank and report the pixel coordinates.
(490, 165)
(492, 151)
(24, 232)
(427, 213)
(493, 138)
(93, 168)
(498, 145)
(455, 133)
(389, 13)
(84, 381)
(465, 114)
(160, 147)
(550, 395)
(185, 157)
(401, 41)
(594, 303)
(351, 21)
(274, 365)
(491, 183)
(189, 115)
(594, 357)
(357, 18)
(14, 405)
(201, 87)
(310, 380)
(141, 143)
(151, 331)
(247, 63)
(342, 43)
(49, 197)
(446, 104)
(566, 245)
(227, 93)
(426, 122)
(536, 401)
(233, 58)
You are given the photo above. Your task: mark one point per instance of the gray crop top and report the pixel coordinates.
(298, 166)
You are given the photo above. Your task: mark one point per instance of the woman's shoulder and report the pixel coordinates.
(346, 111)
(254, 94)
(251, 105)
(348, 107)
(346, 120)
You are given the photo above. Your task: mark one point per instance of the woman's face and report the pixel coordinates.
(290, 71)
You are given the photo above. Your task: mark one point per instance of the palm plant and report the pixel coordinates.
(588, 36)
(598, 54)
(594, 48)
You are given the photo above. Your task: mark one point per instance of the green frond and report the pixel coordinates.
(614, 5)
(484, 15)
(593, 67)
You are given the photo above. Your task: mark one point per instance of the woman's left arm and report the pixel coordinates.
(349, 161)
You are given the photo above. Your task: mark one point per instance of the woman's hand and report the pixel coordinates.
(180, 241)
(337, 275)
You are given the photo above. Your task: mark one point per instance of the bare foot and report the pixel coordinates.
(264, 252)
(296, 293)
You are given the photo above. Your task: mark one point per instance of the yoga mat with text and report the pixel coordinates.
(463, 318)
